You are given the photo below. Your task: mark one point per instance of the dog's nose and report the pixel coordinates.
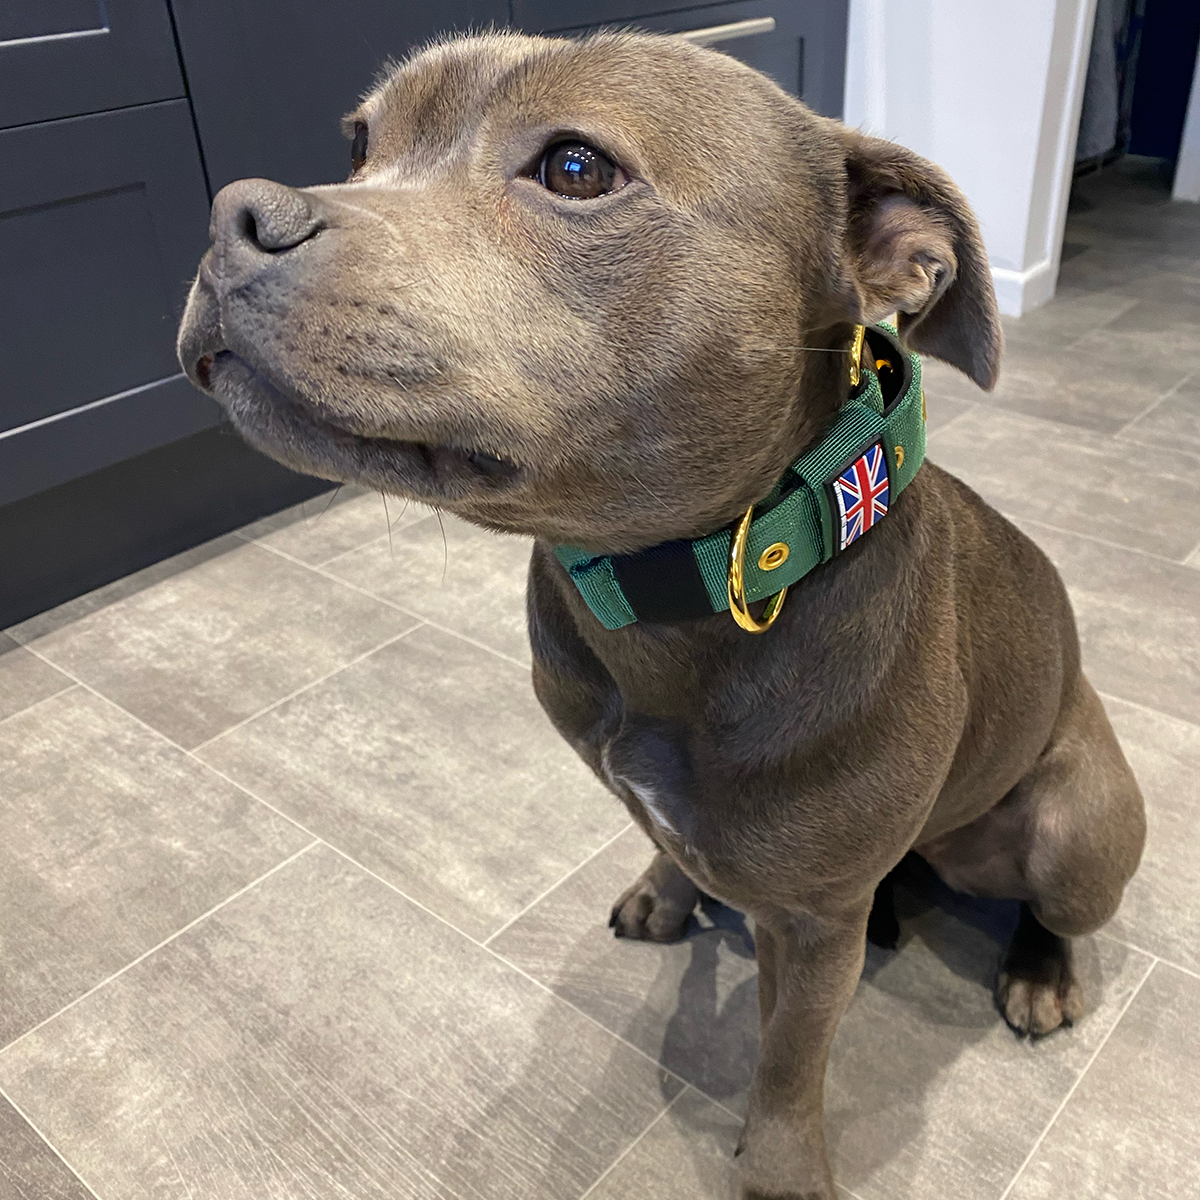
(255, 218)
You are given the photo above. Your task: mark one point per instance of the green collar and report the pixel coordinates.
(827, 499)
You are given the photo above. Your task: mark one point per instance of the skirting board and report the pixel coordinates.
(1019, 292)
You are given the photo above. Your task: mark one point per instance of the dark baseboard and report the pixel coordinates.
(75, 537)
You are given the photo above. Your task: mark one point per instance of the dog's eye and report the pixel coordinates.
(358, 148)
(579, 171)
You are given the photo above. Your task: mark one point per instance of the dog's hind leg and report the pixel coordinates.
(1064, 841)
(658, 905)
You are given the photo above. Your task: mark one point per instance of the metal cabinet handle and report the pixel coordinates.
(726, 33)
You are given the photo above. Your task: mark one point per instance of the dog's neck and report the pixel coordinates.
(832, 495)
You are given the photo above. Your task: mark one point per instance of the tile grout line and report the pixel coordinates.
(1079, 1079)
(392, 604)
(1017, 520)
(48, 1143)
(1166, 962)
(1150, 408)
(1146, 708)
(53, 695)
(474, 941)
(318, 840)
(932, 433)
(155, 948)
(304, 687)
(612, 1166)
(487, 941)
(543, 987)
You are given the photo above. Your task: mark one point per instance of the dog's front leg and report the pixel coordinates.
(808, 969)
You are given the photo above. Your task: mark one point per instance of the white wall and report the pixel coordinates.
(992, 93)
(1187, 169)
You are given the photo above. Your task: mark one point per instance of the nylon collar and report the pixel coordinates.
(828, 498)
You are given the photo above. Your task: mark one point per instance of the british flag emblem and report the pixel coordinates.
(861, 492)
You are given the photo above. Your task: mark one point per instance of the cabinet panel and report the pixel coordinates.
(270, 82)
(805, 53)
(102, 222)
(46, 453)
(62, 57)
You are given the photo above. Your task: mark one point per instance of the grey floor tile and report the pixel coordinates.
(1138, 619)
(454, 575)
(1161, 909)
(25, 679)
(1132, 1129)
(947, 388)
(1094, 261)
(55, 619)
(1173, 423)
(1137, 497)
(948, 394)
(432, 764)
(29, 1169)
(326, 526)
(686, 1155)
(930, 1096)
(198, 651)
(1178, 287)
(1064, 319)
(1101, 381)
(693, 1005)
(321, 1037)
(110, 840)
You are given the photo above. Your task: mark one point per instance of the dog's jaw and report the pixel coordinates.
(274, 416)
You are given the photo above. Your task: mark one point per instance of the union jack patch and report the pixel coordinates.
(860, 494)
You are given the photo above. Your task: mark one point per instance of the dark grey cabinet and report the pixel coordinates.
(60, 58)
(102, 222)
(270, 79)
(805, 53)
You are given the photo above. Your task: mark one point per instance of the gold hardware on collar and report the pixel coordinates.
(736, 582)
(773, 556)
(899, 457)
(860, 332)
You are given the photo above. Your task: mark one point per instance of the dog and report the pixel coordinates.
(604, 292)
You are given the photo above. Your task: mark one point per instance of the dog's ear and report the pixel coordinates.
(914, 248)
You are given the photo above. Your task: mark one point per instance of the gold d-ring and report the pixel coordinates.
(736, 580)
(856, 347)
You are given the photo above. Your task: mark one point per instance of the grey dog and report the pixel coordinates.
(580, 290)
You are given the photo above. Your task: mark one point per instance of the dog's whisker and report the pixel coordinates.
(387, 517)
(401, 516)
(654, 495)
(445, 545)
(328, 505)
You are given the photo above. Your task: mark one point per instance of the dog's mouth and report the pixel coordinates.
(289, 429)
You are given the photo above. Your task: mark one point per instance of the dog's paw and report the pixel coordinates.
(653, 913)
(1038, 1006)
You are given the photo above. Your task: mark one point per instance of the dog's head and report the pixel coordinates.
(592, 290)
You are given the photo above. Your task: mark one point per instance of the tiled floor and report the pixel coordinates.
(302, 898)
